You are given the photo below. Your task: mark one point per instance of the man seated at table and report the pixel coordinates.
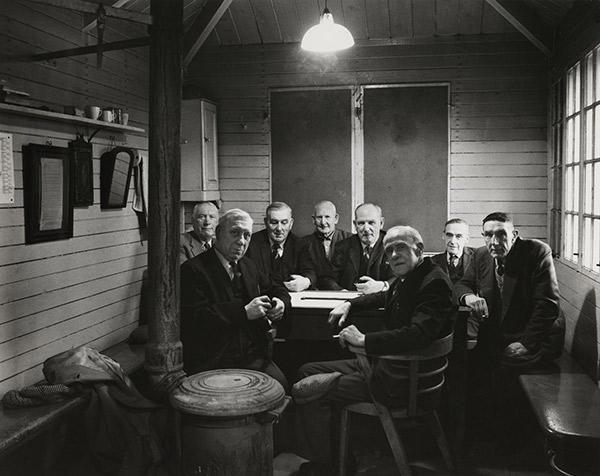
(227, 304)
(418, 311)
(359, 262)
(512, 290)
(321, 244)
(205, 216)
(457, 256)
(276, 250)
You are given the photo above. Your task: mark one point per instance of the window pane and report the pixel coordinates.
(597, 81)
(596, 246)
(597, 132)
(576, 184)
(586, 259)
(569, 139)
(575, 238)
(589, 181)
(577, 86)
(596, 192)
(589, 134)
(569, 97)
(569, 189)
(568, 236)
(576, 139)
(589, 79)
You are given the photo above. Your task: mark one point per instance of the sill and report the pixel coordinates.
(578, 268)
(57, 116)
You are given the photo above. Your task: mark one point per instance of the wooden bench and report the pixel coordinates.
(566, 403)
(21, 425)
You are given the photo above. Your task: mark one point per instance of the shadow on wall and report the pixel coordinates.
(585, 337)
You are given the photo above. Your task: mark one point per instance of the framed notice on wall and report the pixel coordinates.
(47, 193)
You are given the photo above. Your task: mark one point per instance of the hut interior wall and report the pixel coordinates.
(84, 290)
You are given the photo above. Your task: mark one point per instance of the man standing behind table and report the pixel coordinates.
(457, 256)
(205, 216)
(227, 304)
(321, 244)
(359, 262)
(276, 251)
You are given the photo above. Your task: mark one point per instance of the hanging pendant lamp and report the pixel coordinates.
(327, 36)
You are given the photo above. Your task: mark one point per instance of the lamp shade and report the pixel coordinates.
(327, 36)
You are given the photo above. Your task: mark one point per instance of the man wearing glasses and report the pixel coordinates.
(418, 310)
(512, 290)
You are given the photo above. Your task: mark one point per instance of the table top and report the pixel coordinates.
(320, 299)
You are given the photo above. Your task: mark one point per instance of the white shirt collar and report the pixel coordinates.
(448, 256)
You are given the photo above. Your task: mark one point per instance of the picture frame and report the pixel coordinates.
(47, 193)
(116, 168)
(82, 172)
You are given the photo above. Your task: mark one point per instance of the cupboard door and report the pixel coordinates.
(199, 160)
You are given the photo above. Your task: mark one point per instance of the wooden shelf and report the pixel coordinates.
(57, 116)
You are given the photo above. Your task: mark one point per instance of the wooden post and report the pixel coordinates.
(164, 361)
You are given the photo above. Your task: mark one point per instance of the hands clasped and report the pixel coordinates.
(265, 307)
(478, 306)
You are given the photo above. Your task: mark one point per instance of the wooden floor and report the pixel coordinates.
(483, 457)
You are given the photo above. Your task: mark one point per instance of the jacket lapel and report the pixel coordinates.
(510, 278)
(219, 272)
(249, 280)
(355, 252)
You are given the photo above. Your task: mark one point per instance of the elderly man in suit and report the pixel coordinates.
(418, 310)
(227, 304)
(512, 290)
(321, 244)
(457, 256)
(276, 250)
(205, 216)
(359, 262)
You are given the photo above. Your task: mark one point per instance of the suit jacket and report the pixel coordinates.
(418, 311)
(312, 245)
(346, 264)
(528, 306)
(189, 246)
(213, 320)
(292, 260)
(442, 261)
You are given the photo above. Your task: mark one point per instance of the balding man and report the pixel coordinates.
(276, 250)
(205, 216)
(321, 244)
(227, 304)
(359, 261)
(418, 311)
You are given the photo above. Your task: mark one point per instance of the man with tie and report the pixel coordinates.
(359, 262)
(512, 290)
(320, 245)
(198, 240)
(276, 250)
(457, 256)
(418, 310)
(227, 305)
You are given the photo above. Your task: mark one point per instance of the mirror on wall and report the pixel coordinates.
(115, 175)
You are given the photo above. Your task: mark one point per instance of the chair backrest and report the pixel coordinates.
(420, 381)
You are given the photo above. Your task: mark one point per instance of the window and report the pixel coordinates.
(575, 167)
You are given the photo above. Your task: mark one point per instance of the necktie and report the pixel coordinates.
(499, 270)
(367, 253)
(326, 244)
(205, 246)
(452, 263)
(236, 280)
(275, 252)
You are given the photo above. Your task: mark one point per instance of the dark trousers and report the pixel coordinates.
(317, 422)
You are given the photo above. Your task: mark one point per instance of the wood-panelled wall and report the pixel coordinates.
(580, 291)
(497, 121)
(84, 290)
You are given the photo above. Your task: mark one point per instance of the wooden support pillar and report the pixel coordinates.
(164, 361)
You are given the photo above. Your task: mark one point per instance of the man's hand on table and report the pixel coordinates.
(339, 314)
(297, 283)
(368, 285)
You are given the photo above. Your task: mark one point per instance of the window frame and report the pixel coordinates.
(584, 250)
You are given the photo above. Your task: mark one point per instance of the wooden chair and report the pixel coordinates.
(438, 349)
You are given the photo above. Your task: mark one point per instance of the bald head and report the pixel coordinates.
(368, 221)
(325, 217)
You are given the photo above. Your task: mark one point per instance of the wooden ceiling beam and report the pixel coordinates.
(519, 15)
(92, 7)
(202, 26)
